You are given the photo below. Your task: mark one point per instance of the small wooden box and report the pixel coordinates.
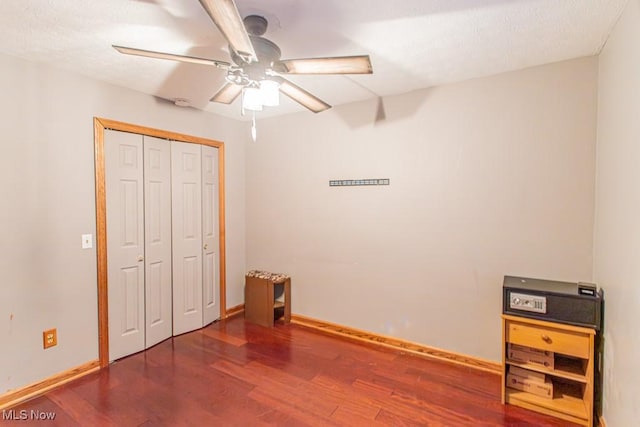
(529, 349)
(542, 389)
(544, 359)
(527, 374)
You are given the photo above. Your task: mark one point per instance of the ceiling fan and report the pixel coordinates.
(256, 68)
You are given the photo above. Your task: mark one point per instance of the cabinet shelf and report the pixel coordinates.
(570, 369)
(566, 400)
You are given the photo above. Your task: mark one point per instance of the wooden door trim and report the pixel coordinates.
(99, 126)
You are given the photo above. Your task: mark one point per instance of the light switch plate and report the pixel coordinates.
(87, 241)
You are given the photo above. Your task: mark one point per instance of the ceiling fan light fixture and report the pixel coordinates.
(270, 93)
(251, 99)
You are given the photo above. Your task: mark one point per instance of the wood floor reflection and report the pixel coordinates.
(234, 373)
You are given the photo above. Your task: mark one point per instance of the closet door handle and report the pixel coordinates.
(205, 246)
(140, 258)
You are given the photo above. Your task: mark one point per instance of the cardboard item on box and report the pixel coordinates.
(529, 349)
(543, 389)
(545, 360)
(527, 374)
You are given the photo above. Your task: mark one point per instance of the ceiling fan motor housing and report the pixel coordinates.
(256, 25)
(267, 52)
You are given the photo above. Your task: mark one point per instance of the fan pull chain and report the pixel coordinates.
(242, 104)
(254, 132)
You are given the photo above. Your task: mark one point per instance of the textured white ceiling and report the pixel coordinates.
(413, 44)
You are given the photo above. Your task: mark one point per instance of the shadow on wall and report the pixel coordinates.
(381, 110)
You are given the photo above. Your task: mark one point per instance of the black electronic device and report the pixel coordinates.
(577, 304)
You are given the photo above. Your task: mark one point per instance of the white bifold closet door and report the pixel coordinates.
(196, 279)
(162, 239)
(186, 172)
(210, 235)
(138, 241)
(125, 242)
(157, 231)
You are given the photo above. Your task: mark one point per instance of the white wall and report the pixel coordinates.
(489, 177)
(617, 223)
(48, 200)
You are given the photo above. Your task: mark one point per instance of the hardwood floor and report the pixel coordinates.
(234, 373)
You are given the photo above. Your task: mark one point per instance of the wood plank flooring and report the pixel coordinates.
(234, 373)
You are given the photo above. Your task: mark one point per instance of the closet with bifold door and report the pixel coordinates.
(162, 239)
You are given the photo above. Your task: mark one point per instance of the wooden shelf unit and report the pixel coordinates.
(260, 303)
(572, 374)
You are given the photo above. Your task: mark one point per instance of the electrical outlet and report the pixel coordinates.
(50, 338)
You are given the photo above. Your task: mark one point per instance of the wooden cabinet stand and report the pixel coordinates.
(260, 291)
(570, 371)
